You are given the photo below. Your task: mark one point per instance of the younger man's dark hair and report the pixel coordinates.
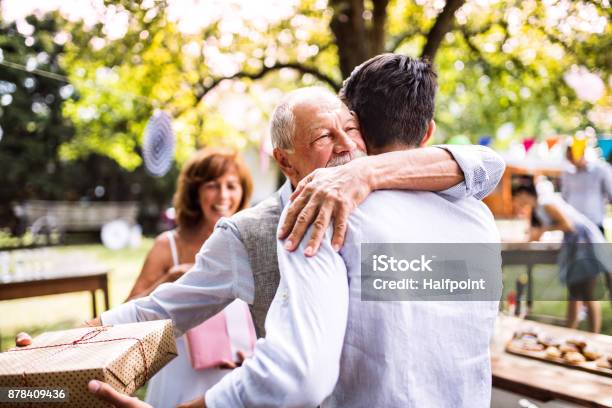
(393, 96)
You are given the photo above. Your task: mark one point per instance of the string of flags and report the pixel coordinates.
(579, 145)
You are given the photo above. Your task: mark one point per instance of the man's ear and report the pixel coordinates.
(430, 131)
(284, 163)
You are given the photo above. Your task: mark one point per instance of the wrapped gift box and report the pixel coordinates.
(125, 356)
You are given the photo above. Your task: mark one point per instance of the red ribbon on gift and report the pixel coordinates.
(86, 339)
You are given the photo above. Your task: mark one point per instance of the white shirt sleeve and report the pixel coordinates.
(297, 364)
(482, 169)
(221, 274)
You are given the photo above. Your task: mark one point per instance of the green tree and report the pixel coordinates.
(30, 116)
(498, 62)
(33, 129)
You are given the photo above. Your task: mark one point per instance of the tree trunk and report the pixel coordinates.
(348, 27)
(356, 40)
(377, 30)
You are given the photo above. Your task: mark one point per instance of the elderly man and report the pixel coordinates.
(311, 129)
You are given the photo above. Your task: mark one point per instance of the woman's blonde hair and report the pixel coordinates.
(206, 165)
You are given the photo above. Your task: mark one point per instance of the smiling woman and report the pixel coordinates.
(212, 183)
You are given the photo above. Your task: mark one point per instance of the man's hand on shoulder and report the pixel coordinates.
(324, 194)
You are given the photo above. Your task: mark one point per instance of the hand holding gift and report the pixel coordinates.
(124, 356)
(105, 392)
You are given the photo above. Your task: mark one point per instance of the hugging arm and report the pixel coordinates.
(453, 171)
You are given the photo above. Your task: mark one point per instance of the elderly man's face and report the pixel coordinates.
(326, 135)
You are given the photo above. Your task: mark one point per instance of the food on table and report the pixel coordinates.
(528, 343)
(574, 357)
(578, 342)
(568, 348)
(590, 353)
(529, 331)
(573, 350)
(553, 352)
(549, 340)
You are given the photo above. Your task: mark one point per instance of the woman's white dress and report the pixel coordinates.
(178, 382)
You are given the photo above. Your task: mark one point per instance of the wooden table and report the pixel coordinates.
(546, 381)
(529, 254)
(90, 279)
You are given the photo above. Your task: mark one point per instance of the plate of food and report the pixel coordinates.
(574, 352)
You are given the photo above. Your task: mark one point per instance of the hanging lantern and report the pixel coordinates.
(158, 145)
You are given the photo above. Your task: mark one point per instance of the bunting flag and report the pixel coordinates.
(551, 141)
(485, 140)
(578, 147)
(605, 144)
(528, 143)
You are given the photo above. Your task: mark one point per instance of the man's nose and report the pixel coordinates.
(344, 143)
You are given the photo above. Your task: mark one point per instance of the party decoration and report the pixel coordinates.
(485, 140)
(577, 148)
(605, 144)
(551, 141)
(158, 146)
(528, 143)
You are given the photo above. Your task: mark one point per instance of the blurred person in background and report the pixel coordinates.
(587, 186)
(581, 258)
(212, 184)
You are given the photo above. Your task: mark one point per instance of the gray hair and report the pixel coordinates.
(282, 124)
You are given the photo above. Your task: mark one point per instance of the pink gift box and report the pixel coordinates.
(220, 337)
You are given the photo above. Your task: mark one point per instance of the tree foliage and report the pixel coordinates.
(219, 71)
(40, 152)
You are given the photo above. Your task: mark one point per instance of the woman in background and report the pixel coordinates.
(580, 262)
(211, 185)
